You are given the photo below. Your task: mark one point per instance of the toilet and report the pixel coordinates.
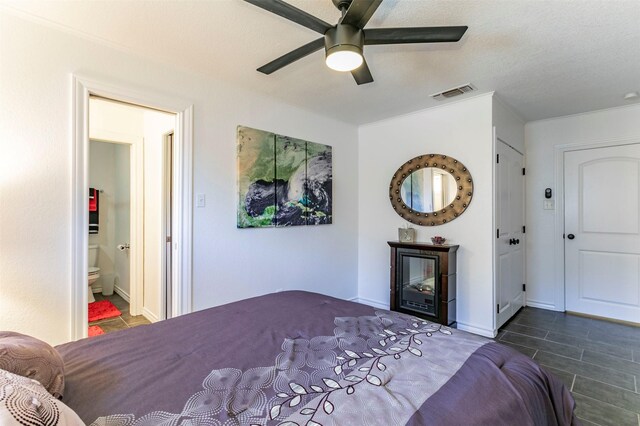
(94, 271)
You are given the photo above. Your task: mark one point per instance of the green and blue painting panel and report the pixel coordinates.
(282, 181)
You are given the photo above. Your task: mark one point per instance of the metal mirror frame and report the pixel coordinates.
(449, 213)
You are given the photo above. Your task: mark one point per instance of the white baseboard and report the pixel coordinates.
(373, 303)
(122, 293)
(541, 305)
(486, 332)
(149, 315)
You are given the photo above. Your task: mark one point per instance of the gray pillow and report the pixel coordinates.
(24, 401)
(29, 357)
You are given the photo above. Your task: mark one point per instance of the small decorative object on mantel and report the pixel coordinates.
(438, 240)
(406, 235)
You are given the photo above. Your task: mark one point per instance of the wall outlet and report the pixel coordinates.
(200, 200)
(548, 205)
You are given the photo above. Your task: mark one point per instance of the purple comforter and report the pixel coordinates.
(298, 358)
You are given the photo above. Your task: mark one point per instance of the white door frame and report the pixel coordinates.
(559, 267)
(83, 87)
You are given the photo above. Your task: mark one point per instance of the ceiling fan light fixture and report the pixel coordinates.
(343, 47)
(344, 58)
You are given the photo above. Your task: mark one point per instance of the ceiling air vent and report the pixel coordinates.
(456, 91)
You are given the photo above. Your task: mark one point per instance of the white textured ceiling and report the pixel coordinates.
(545, 58)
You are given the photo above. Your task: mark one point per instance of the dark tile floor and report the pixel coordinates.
(598, 360)
(122, 322)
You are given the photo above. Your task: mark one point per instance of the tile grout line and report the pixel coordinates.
(588, 378)
(604, 402)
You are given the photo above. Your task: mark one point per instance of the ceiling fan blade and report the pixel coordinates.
(413, 35)
(292, 56)
(292, 13)
(362, 74)
(359, 12)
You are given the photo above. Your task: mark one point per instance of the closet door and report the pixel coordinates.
(602, 228)
(509, 291)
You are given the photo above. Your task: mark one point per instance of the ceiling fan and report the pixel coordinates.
(343, 42)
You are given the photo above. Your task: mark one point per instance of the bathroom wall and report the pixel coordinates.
(122, 210)
(102, 177)
(109, 172)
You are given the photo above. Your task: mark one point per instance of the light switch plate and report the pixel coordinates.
(548, 205)
(200, 200)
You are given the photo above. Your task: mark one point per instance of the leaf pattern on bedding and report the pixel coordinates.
(317, 381)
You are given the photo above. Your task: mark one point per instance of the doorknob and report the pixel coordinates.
(511, 241)
(518, 241)
(571, 236)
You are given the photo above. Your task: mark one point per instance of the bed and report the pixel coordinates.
(299, 358)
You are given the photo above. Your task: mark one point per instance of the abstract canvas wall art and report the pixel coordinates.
(282, 181)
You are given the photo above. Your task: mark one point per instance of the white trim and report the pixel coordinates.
(149, 315)
(477, 330)
(182, 300)
(79, 218)
(578, 114)
(559, 267)
(494, 248)
(82, 88)
(136, 227)
(370, 302)
(119, 291)
(542, 305)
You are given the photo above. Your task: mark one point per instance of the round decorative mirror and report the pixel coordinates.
(431, 190)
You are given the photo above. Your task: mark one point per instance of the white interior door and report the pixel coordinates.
(602, 228)
(510, 235)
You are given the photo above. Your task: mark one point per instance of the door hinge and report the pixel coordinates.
(168, 239)
(498, 233)
(523, 172)
(524, 287)
(524, 229)
(497, 158)
(498, 308)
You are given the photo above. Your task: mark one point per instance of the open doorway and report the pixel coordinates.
(144, 276)
(128, 272)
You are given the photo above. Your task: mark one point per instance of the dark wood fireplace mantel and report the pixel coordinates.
(423, 280)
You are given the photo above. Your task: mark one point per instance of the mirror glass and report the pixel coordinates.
(428, 190)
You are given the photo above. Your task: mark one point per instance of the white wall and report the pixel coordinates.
(509, 126)
(229, 264)
(462, 130)
(617, 124)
